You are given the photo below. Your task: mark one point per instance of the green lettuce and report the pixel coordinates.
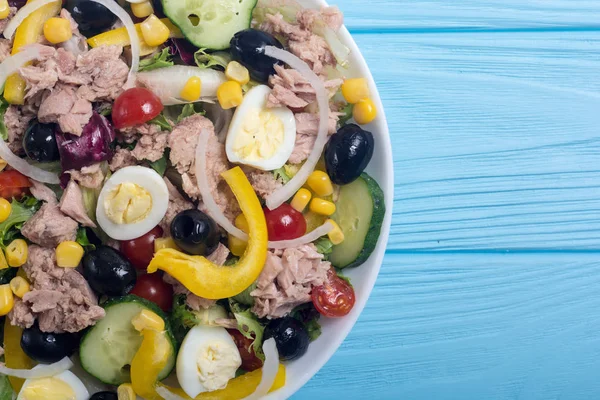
(83, 240)
(309, 316)
(346, 115)
(183, 318)
(6, 391)
(159, 60)
(160, 165)
(162, 122)
(244, 297)
(209, 60)
(248, 326)
(3, 107)
(20, 213)
(324, 246)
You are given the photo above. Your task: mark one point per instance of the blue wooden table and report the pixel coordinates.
(490, 288)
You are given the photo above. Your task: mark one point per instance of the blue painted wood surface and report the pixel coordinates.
(491, 284)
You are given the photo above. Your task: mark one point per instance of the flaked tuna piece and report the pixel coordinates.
(16, 120)
(107, 72)
(49, 226)
(122, 158)
(42, 192)
(290, 89)
(71, 204)
(65, 107)
(263, 182)
(90, 177)
(151, 147)
(307, 127)
(177, 204)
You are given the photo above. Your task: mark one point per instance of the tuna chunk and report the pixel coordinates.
(107, 72)
(90, 177)
(290, 89)
(78, 43)
(307, 127)
(287, 280)
(177, 204)
(49, 226)
(16, 120)
(65, 107)
(332, 16)
(42, 192)
(5, 49)
(151, 147)
(263, 182)
(122, 158)
(60, 298)
(71, 204)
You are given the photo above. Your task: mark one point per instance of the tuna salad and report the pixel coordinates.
(182, 184)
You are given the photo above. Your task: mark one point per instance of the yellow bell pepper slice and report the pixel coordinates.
(211, 281)
(121, 37)
(150, 359)
(14, 357)
(27, 33)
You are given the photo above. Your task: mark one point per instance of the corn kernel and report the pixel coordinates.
(4, 9)
(354, 90)
(69, 254)
(165, 243)
(335, 235)
(125, 392)
(238, 246)
(16, 253)
(3, 163)
(143, 9)
(320, 183)
(3, 263)
(237, 72)
(5, 209)
(57, 30)
(192, 89)
(7, 299)
(19, 286)
(146, 319)
(301, 199)
(322, 207)
(154, 31)
(364, 111)
(230, 95)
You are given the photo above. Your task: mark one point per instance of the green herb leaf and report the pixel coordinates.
(187, 111)
(206, 60)
(3, 107)
(20, 213)
(232, 260)
(162, 122)
(160, 165)
(346, 115)
(159, 60)
(83, 240)
(324, 246)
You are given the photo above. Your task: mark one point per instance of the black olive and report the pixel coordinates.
(104, 396)
(195, 232)
(348, 153)
(39, 142)
(247, 47)
(47, 347)
(290, 337)
(92, 18)
(108, 271)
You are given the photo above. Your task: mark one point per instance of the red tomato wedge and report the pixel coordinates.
(13, 184)
(134, 107)
(335, 298)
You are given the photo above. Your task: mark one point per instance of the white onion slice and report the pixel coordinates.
(23, 13)
(166, 394)
(40, 371)
(279, 196)
(269, 370)
(309, 237)
(116, 9)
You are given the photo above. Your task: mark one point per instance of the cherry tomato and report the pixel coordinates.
(334, 298)
(134, 107)
(249, 360)
(284, 223)
(13, 184)
(152, 288)
(140, 251)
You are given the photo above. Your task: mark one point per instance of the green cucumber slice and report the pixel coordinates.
(210, 24)
(360, 209)
(109, 346)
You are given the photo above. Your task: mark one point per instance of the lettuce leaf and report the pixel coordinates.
(6, 391)
(162, 122)
(210, 60)
(248, 326)
(83, 240)
(244, 297)
(159, 60)
(324, 246)
(3, 107)
(309, 316)
(20, 213)
(160, 165)
(183, 318)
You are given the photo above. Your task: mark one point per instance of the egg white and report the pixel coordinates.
(256, 98)
(148, 179)
(67, 377)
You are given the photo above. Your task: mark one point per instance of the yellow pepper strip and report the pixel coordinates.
(119, 36)
(14, 357)
(211, 281)
(150, 359)
(28, 32)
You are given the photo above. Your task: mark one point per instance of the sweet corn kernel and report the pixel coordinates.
(146, 319)
(230, 95)
(354, 90)
(125, 392)
(301, 199)
(154, 31)
(320, 183)
(335, 235)
(16, 253)
(143, 9)
(7, 299)
(4, 9)
(192, 89)
(3, 163)
(5, 209)
(69, 254)
(364, 111)
(165, 243)
(322, 207)
(238, 246)
(3, 263)
(237, 72)
(19, 286)
(57, 30)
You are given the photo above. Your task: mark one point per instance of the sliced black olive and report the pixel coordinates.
(108, 271)
(104, 396)
(47, 347)
(92, 18)
(290, 337)
(39, 142)
(348, 153)
(195, 232)
(247, 47)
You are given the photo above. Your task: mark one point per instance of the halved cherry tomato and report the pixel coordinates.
(249, 360)
(13, 184)
(140, 251)
(134, 107)
(152, 288)
(284, 223)
(335, 298)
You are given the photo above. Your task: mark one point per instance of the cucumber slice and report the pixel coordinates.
(109, 346)
(360, 209)
(210, 24)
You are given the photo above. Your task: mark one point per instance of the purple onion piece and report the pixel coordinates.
(184, 49)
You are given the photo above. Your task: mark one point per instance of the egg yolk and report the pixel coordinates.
(47, 389)
(217, 363)
(261, 135)
(127, 203)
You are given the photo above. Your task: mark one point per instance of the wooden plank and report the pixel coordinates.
(495, 138)
(491, 327)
